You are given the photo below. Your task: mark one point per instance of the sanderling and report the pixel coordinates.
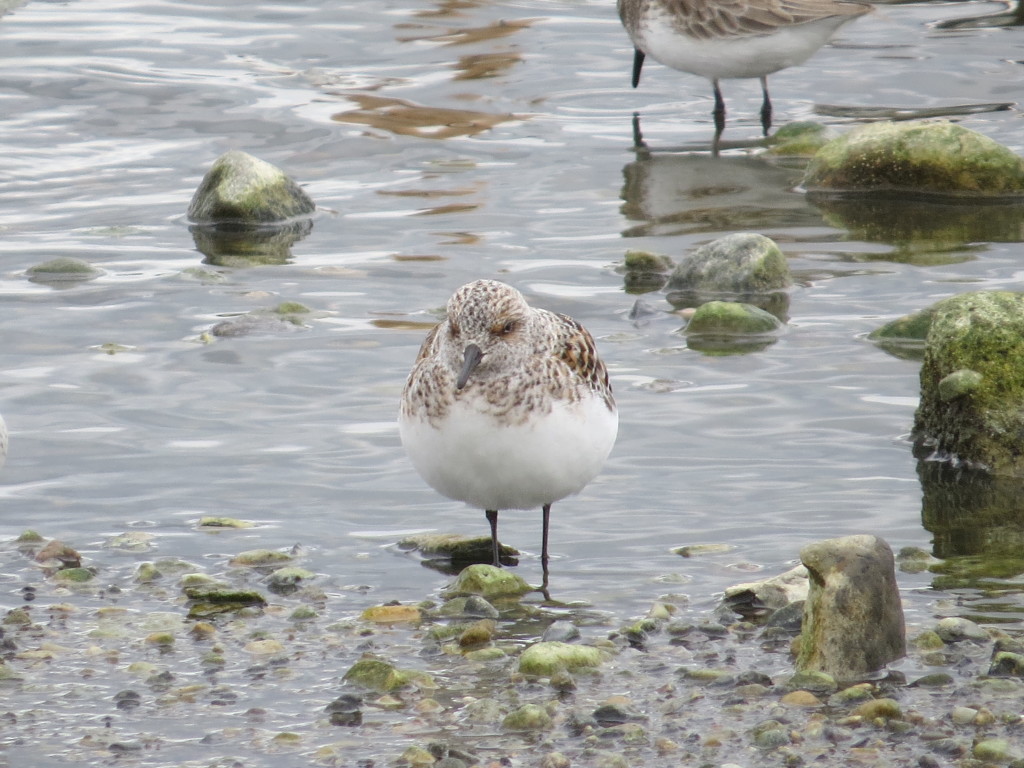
(723, 39)
(507, 406)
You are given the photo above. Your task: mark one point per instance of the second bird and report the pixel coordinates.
(725, 39)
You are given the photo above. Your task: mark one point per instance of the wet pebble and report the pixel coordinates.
(561, 632)
(954, 629)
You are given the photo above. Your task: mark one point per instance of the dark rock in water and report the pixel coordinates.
(346, 710)
(972, 383)
(242, 189)
(853, 618)
(644, 271)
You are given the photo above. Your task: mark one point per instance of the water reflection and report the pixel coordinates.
(671, 193)
(408, 119)
(975, 521)
(238, 246)
(922, 231)
(1013, 16)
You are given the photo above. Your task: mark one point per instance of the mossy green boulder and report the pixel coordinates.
(731, 318)
(972, 383)
(744, 262)
(928, 158)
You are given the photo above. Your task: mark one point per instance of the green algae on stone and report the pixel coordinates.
(802, 138)
(904, 337)
(731, 319)
(223, 522)
(382, 677)
(979, 421)
(242, 189)
(63, 269)
(460, 549)
(74, 575)
(740, 263)
(644, 271)
(544, 659)
(529, 717)
(259, 558)
(939, 158)
(488, 582)
(289, 576)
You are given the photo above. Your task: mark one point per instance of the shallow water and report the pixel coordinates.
(112, 113)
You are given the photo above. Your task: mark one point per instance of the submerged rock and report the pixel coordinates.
(242, 189)
(938, 158)
(380, 676)
(461, 550)
(724, 327)
(972, 383)
(853, 618)
(800, 139)
(644, 271)
(65, 269)
(905, 336)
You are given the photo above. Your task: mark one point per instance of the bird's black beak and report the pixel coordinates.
(470, 360)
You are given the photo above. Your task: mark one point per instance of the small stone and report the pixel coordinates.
(289, 576)
(813, 681)
(488, 582)
(258, 558)
(417, 756)
(528, 717)
(954, 629)
(132, 541)
(888, 709)
(994, 751)
(546, 658)
(928, 641)
(1008, 664)
(223, 522)
(483, 712)
(392, 614)
(555, 760)
(146, 573)
(478, 633)
(203, 630)
(800, 699)
(268, 647)
(561, 632)
(770, 735)
(963, 715)
(160, 639)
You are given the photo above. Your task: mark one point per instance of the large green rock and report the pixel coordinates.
(939, 158)
(546, 658)
(972, 383)
(489, 582)
(741, 263)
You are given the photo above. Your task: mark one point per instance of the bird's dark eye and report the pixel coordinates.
(504, 329)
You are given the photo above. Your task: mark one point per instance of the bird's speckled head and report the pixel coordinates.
(487, 327)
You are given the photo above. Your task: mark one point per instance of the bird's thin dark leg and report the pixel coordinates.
(719, 115)
(546, 516)
(492, 518)
(766, 107)
(638, 64)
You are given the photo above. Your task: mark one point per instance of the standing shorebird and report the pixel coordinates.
(507, 406)
(723, 39)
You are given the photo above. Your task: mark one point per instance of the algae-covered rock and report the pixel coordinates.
(904, 337)
(730, 328)
(392, 614)
(256, 323)
(972, 383)
(644, 271)
(488, 582)
(528, 717)
(65, 269)
(740, 263)
(939, 158)
(800, 139)
(242, 189)
(215, 523)
(259, 558)
(461, 550)
(380, 676)
(546, 658)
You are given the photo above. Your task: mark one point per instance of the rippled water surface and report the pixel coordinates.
(445, 141)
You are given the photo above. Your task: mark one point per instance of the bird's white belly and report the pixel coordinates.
(736, 57)
(473, 458)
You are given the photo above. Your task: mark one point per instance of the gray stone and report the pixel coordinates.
(853, 617)
(972, 383)
(954, 629)
(740, 263)
(758, 598)
(242, 189)
(65, 269)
